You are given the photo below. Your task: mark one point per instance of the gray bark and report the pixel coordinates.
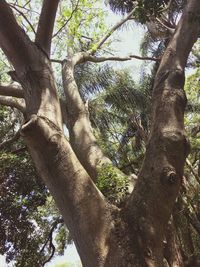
(81, 135)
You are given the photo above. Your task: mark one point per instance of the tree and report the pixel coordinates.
(105, 234)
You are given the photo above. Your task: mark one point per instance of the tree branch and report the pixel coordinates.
(179, 47)
(160, 177)
(22, 14)
(115, 58)
(171, 30)
(11, 90)
(145, 58)
(14, 42)
(50, 240)
(13, 103)
(110, 32)
(192, 171)
(56, 61)
(46, 25)
(82, 138)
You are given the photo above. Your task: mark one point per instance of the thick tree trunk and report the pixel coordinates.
(159, 181)
(82, 206)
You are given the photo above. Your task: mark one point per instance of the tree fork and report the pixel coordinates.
(83, 207)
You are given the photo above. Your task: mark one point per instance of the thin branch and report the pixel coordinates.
(50, 240)
(13, 103)
(22, 14)
(11, 140)
(85, 56)
(11, 90)
(46, 25)
(145, 58)
(56, 61)
(27, 9)
(19, 150)
(51, 245)
(115, 58)
(102, 59)
(86, 37)
(110, 32)
(192, 171)
(171, 30)
(66, 22)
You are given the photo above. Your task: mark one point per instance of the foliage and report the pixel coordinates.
(112, 183)
(145, 9)
(113, 116)
(22, 194)
(27, 211)
(74, 24)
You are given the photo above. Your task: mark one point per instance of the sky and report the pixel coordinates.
(129, 45)
(70, 256)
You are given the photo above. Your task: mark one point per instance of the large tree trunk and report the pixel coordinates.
(159, 181)
(105, 236)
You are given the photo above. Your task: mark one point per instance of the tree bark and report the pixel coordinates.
(46, 25)
(84, 209)
(151, 203)
(81, 136)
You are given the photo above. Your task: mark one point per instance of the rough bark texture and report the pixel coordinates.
(81, 136)
(104, 235)
(83, 207)
(160, 178)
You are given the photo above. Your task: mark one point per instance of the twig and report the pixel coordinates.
(171, 30)
(73, 11)
(113, 29)
(57, 61)
(19, 150)
(22, 14)
(192, 171)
